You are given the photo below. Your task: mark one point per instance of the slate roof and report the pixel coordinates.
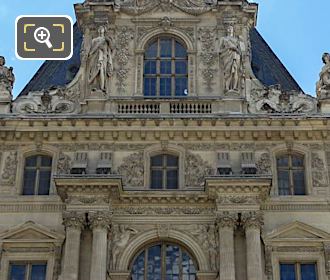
(265, 64)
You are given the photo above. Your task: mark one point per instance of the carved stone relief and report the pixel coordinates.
(124, 36)
(193, 7)
(121, 234)
(319, 175)
(207, 237)
(263, 165)
(274, 100)
(132, 170)
(63, 164)
(54, 100)
(10, 169)
(196, 169)
(164, 211)
(208, 37)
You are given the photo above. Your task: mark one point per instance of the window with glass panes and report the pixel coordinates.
(27, 271)
(298, 271)
(163, 262)
(164, 172)
(291, 174)
(165, 68)
(37, 174)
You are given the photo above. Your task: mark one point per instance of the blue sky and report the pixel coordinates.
(297, 31)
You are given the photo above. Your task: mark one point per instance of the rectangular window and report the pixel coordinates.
(298, 271)
(27, 271)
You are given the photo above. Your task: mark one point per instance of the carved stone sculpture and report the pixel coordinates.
(323, 85)
(274, 100)
(231, 57)
(100, 61)
(52, 101)
(132, 170)
(10, 169)
(7, 80)
(196, 169)
(121, 236)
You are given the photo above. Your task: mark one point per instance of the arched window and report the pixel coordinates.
(37, 174)
(163, 261)
(165, 68)
(291, 174)
(164, 172)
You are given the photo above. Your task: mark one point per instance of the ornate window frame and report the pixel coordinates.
(143, 44)
(30, 151)
(298, 149)
(296, 242)
(163, 149)
(31, 242)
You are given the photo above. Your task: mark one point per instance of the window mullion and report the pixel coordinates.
(298, 271)
(28, 271)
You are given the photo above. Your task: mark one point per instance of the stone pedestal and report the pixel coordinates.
(100, 224)
(74, 223)
(226, 224)
(252, 223)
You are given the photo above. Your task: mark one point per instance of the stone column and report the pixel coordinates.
(253, 222)
(74, 223)
(100, 224)
(226, 223)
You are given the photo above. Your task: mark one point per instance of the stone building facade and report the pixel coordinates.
(173, 145)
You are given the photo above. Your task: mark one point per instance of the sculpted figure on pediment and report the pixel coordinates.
(274, 100)
(100, 61)
(7, 79)
(323, 85)
(231, 57)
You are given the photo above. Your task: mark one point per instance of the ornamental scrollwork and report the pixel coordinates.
(252, 220)
(73, 219)
(124, 36)
(207, 37)
(227, 220)
(100, 219)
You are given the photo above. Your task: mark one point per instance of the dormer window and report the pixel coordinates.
(165, 68)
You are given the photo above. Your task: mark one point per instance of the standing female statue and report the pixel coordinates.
(323, 85)
(100, 60)
(231, 56)
(7, 79)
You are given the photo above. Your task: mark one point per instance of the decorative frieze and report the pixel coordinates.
(148, 211)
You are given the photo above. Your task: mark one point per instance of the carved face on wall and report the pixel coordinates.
(326, 58)
(2, 61)
(230, 30)
(101, 31)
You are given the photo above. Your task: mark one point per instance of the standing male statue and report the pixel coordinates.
(231, 57)
(323, 85)
(7, 79)
(100, 61)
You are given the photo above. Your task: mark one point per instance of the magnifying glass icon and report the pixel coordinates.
(42, 35)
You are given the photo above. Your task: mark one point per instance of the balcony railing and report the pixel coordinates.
(163, 106)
